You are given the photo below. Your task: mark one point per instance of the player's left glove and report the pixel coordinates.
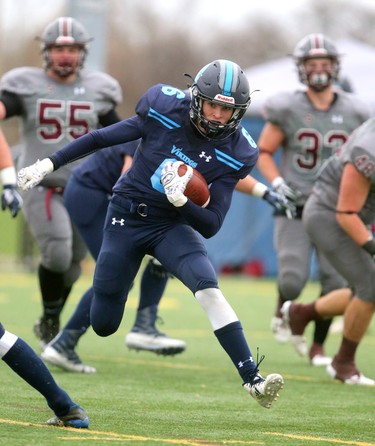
(174, 184)
(31, 176)
(280, 203)
(10, 198)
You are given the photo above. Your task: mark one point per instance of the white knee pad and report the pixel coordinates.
(217, 308)
(6, 342)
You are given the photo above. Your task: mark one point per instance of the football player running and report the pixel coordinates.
(86, 197)
(158, 219)
(309, 125)
(14, 351)
(56, 105)
(337, 217)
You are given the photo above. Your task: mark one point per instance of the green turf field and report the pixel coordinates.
(191, 399)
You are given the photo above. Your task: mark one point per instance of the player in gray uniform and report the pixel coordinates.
(56, 104)
(337, 217)
(309, 125)
(14, 351)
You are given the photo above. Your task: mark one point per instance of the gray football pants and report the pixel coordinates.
(61, 247)
(353, 262)
(294, 251)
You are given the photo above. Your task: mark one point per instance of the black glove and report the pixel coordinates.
(280, 203)
(10, 198)
(369, 246)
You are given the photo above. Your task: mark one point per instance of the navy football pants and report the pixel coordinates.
(128, 237)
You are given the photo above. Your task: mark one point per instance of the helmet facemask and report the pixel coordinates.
(316, 46)
(318, 81)
(64, 31)
(67, 69)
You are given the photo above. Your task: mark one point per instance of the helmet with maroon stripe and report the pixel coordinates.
(315, 46)
(64, 31)
(224, 83)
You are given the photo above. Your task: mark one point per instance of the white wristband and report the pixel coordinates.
(8, 176)
(259, 190)
(46, 165)
(277, 181)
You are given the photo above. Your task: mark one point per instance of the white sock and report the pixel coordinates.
(217, 308)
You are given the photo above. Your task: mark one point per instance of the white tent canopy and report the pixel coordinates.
(357, 65)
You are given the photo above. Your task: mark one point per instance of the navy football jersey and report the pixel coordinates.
(163, 124)
(102, 169)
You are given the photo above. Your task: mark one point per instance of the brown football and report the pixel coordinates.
(197, 188)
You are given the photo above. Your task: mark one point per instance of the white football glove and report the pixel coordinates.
(173, 184)
(30, 176)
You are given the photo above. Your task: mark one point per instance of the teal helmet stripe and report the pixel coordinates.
(228, 80)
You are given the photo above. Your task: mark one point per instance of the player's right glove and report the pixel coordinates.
(174, 184)
(280, 203)
(280, 186)
(31, 176)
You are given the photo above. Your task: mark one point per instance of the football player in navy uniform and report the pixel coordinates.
(149, 214)
(58, 104)
(14, 351)
(86, 197)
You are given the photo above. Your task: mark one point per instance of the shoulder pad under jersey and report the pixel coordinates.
(23, 81)
(350, 101)
(277, 105)
(104, 83)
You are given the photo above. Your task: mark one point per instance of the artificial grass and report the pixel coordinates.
(190, 399)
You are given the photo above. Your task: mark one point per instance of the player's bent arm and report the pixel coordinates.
(115, 134)
(6, 160)
(10, 198)
(270, 139)
(3, 112)
(246, 185)
(354, 188)
(251, 186)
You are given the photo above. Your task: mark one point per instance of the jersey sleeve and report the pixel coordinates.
(21, 81)
(359, 150)
(363, 109)
(108, 87)
(163, 105)
(147, 101)
(364, 162)
(276, 108)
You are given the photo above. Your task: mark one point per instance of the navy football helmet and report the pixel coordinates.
(221, 82)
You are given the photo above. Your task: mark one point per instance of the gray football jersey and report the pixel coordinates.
(55, 113)
(360, 151)
(312, 135)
